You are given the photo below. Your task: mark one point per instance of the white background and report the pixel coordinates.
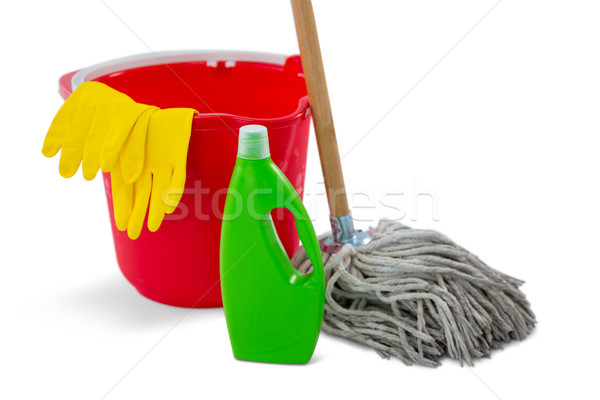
(502, 132)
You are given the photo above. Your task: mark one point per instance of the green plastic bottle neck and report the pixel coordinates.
(253, 143)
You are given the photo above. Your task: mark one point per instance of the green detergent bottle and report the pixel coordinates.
(273, 312)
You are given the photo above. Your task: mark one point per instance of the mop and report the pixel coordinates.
(409, 293)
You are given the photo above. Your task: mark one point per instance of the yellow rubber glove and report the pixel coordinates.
(91, 127)
(161, 182)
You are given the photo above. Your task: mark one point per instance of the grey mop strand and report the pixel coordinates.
(416, 295)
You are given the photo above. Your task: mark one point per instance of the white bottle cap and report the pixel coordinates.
(253, 143)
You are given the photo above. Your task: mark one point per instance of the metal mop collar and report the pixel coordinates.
(416, 295)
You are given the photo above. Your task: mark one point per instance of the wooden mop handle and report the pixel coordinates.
(318, 97)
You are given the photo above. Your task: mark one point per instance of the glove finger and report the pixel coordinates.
(119, 130)
(122, 197)
(105, 113)
(142, 188)
(134, 149)
(160, 184)
(179, 126)
(56, 133)
(74, 140)
(175, 190)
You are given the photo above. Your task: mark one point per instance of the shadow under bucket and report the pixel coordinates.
(179, 264)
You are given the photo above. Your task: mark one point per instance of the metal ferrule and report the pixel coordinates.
(343, 233)
(342, 228)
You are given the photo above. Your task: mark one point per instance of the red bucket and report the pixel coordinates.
(179, 264)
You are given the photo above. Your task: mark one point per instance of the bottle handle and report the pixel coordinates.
(306, 231)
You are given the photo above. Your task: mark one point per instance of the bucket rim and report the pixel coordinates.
(202, 122)
(170, 57)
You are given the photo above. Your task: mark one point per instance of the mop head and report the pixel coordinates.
(416, 295)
